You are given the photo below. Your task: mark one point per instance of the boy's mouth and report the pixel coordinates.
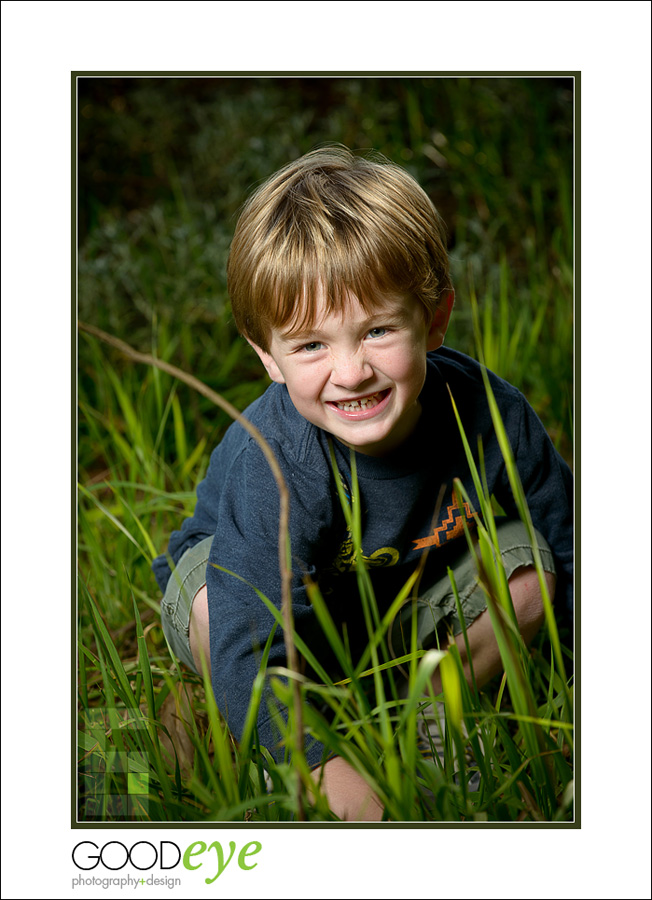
(361, 403)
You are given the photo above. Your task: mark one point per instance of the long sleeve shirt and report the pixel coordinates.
(238, 504)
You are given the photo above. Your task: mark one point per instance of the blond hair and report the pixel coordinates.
(333, 224)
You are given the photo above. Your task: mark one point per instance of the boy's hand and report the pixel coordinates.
(348, 794)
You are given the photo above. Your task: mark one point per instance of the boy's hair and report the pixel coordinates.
(337, 223)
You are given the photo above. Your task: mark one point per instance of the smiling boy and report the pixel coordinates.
(356, 374)
(338, 278)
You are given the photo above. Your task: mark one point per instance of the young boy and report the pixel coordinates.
(338, 278)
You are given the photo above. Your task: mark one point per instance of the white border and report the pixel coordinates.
(609, 44)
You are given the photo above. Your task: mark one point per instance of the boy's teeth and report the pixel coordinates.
(364, 403)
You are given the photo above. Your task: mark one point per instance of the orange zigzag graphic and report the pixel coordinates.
(435, 539)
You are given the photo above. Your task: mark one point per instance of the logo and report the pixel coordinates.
(143, 856)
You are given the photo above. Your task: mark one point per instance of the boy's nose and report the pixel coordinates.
(350, 371)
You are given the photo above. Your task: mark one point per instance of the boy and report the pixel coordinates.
(338, 278)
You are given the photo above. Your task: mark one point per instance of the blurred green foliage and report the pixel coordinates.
(165, 163)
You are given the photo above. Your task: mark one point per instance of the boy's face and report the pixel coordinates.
(358, 375)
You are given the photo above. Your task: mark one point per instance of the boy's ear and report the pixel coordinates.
(270, 364)
(439, 324)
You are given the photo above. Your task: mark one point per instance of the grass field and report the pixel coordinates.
(164, 165)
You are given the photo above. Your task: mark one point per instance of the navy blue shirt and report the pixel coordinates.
(238, 504)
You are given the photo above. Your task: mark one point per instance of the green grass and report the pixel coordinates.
(521, 745)
(495, 155)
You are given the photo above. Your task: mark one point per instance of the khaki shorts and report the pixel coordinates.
(187, 579)
(435, 609)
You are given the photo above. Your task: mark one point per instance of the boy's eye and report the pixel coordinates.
(312, 346)
(377, 332)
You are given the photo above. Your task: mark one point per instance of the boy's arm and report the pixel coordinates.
(548, 484)
(348, 794)
(244, 564)
(200, 525)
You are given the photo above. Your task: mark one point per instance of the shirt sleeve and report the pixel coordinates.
(548, 484)
(245, 557)
(201, 524)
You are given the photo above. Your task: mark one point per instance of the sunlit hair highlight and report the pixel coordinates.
(331, 225)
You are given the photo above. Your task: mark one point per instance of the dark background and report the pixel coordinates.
(165, 163)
